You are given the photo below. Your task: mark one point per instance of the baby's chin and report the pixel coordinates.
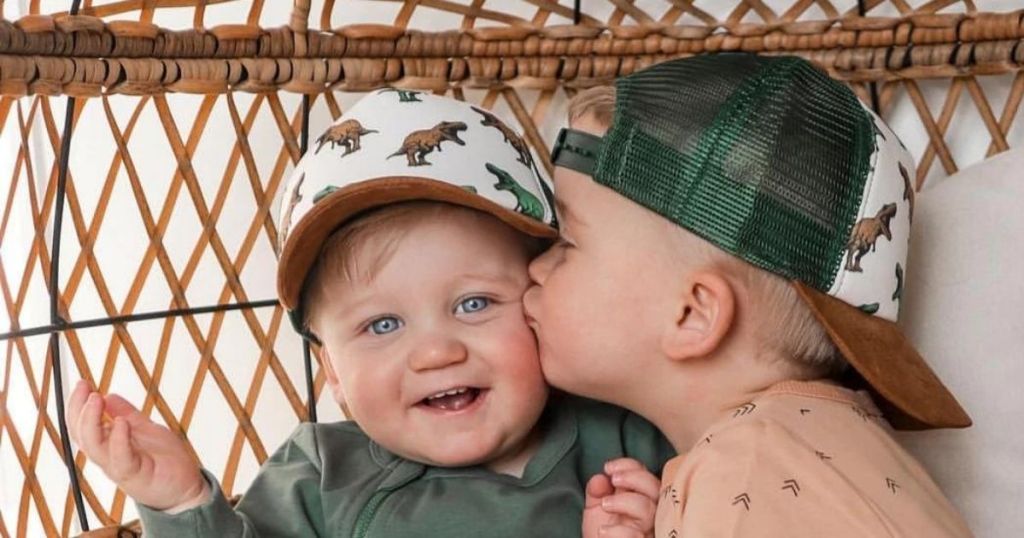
(463, 450)
(447, 455)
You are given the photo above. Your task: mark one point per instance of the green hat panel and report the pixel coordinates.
(767, 158)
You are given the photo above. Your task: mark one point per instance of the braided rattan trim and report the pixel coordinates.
(82, 55)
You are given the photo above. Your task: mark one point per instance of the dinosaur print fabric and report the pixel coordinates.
(408, 134)
(877, 242)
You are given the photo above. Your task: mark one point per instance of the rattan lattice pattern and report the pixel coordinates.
(183, 135)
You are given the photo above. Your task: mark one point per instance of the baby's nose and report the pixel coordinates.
(437, 351)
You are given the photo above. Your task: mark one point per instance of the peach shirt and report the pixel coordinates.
(803, 459)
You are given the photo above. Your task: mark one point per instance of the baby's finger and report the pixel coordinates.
(631, 505)
(124, 462)
(620, 531)
(119, 407)
(75, 402)
(597, 487)
(640, 481)
(91, 431)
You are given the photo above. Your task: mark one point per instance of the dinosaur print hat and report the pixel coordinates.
(401, 145)
(774, 162)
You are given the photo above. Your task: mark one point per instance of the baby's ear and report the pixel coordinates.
(703, 317)
(333, 381)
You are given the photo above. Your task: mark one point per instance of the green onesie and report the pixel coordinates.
(332, 480)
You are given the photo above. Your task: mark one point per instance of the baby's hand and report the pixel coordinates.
(149, 462)
(621, 502)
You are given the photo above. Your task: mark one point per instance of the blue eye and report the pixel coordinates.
(473, 304)
(384, 325)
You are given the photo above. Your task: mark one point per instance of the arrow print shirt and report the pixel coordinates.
(803, 459)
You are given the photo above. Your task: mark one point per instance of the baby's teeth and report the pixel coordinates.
(452, 392)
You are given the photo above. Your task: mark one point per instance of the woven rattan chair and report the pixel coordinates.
(255, 69)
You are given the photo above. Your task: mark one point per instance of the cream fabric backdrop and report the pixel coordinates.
(964, 308)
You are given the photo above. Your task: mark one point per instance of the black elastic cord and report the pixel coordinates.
(306, 355)
(310, 400)
(304, 134)
(55, 319)
(576, 12)
(145, 316)
(872, 86)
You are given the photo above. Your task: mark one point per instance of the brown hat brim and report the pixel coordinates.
(913, 396)
(304, 242)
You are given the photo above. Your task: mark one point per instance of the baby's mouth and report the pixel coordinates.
(452, 399)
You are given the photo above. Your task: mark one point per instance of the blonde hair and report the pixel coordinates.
(785, 325)
(598, 101)
(383, 229)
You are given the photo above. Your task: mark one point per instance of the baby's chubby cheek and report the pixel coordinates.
(524, 369)
(527, 371)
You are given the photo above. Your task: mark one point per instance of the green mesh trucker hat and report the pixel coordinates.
(401, 145)
(774, 162)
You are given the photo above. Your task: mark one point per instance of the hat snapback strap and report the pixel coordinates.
(577, 150)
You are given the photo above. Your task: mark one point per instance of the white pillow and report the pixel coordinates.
(964, 310)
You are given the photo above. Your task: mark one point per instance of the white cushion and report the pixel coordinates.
(964, 310)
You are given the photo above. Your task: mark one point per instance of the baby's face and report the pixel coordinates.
(433, 356)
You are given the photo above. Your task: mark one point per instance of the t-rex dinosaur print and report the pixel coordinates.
(323, 193)
(908, 189)
(866, 233)
(870, 308)
(548, 195)
(404, 96)
(347, 133)
(526, 202)
(418, 144)
(513, 139)
(878, 131)
(898, 293)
